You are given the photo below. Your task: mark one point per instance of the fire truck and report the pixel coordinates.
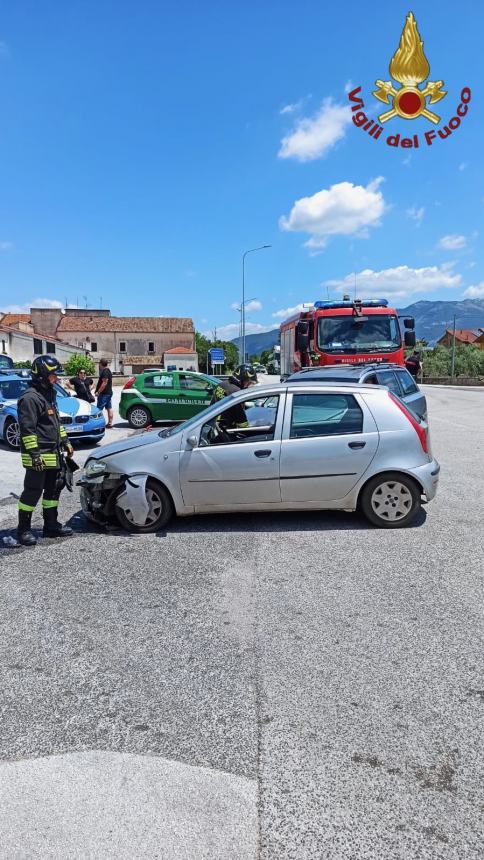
(344, 332)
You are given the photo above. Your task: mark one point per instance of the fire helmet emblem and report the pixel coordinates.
(409, 66)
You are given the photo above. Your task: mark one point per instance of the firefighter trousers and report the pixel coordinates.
(36, 483)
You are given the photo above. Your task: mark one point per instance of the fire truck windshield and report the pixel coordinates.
(373, 333)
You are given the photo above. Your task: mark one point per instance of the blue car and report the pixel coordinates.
(83, 421)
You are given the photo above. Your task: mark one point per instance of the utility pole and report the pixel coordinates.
(452, 371)
(250, 251)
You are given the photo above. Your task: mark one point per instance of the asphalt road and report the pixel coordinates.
(293, 686)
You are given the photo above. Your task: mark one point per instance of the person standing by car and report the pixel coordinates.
(413, 364)
(243, 377)
(104, 390)
(42, 438)
(81, 384)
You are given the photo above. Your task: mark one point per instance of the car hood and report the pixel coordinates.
(73, 406)
(136, 441)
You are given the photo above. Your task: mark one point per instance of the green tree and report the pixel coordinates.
(77, 362)
(23, 364)
(203, 344)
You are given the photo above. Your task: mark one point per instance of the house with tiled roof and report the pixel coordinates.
(128, 343)
(462, 336)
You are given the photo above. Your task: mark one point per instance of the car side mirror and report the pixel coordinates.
(409, 322)
(192, 441)
(410, 338)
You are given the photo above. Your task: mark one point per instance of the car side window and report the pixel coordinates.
(191, 383)
(159, 380)
(250, 421)
(325, 415)
(370, 379)
(406, 381)
(388, 378)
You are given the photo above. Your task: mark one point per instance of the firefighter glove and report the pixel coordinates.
(37, 462)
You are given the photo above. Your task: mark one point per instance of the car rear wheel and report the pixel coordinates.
(390, 501)
(139, 417)
(159, 514)
(12, 434)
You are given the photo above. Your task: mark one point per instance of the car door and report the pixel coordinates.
(231, 472)
(160, 395)
(329, 440)
(194, 394)
(411, 393)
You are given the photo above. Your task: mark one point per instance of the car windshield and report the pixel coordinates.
(11, 389)
(185, 425)
(375, 333)
(60, 391)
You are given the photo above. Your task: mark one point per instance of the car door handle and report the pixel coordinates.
(356, 444)
(262, 453)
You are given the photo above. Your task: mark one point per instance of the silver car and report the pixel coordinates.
(282, 447)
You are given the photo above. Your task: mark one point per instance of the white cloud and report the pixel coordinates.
(344, 209)
(314, 136)
(476, 292)
(291, 108)
(254, 305)
(452, 242)
(399, 282)
(6, 246)
(231, 330)
(349, 85)
(463, 165)
(284, 313)
(416, 214)
(407, 160)
(35, 303)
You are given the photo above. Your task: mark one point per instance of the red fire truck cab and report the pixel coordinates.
(344, 332)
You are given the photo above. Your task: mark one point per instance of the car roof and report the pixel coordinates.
(333, 371)
(317, 384)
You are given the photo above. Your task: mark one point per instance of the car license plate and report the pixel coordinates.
(76, 428)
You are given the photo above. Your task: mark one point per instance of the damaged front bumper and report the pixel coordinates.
(98, 496)
(101, 495)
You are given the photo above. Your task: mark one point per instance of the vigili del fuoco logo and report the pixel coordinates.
(409, 68)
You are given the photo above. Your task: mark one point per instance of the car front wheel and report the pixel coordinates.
(139, 417)
(12, 434)
(390, 501)
(159, 514)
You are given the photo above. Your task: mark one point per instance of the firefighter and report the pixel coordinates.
(243, 377)
(42, 438)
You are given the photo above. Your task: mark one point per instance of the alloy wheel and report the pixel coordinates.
(12, 434)
(138, 417)
(155, 508)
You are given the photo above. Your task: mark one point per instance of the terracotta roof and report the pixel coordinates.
(10, 319)
(173, 325)
(179, 350)
(465, 335)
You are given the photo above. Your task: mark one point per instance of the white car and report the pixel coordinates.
(322, 446)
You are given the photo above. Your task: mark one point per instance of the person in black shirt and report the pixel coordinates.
(82, 385)
(104, 390)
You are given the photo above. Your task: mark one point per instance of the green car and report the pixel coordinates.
(160, 395)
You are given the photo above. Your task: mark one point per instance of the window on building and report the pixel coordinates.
(38, 350)
(93, 346)
(50, 347)
(122, 346)
(151, 346)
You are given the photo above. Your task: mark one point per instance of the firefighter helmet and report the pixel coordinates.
(43, 366)
(245, 373)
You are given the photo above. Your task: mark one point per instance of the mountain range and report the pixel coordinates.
(431, 320)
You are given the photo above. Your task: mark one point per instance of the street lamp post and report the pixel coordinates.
(239, 311)
(250, 251)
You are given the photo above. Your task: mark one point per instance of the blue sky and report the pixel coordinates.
(144, 146)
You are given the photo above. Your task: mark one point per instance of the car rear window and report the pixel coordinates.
(406, 381)
(388, 378)
(325, 415)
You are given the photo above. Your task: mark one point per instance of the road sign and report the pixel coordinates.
(217, 355)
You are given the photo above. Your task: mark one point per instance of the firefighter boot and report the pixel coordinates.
(24, 534)
(52, 527)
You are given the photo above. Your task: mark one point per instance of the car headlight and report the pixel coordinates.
(94, 468)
